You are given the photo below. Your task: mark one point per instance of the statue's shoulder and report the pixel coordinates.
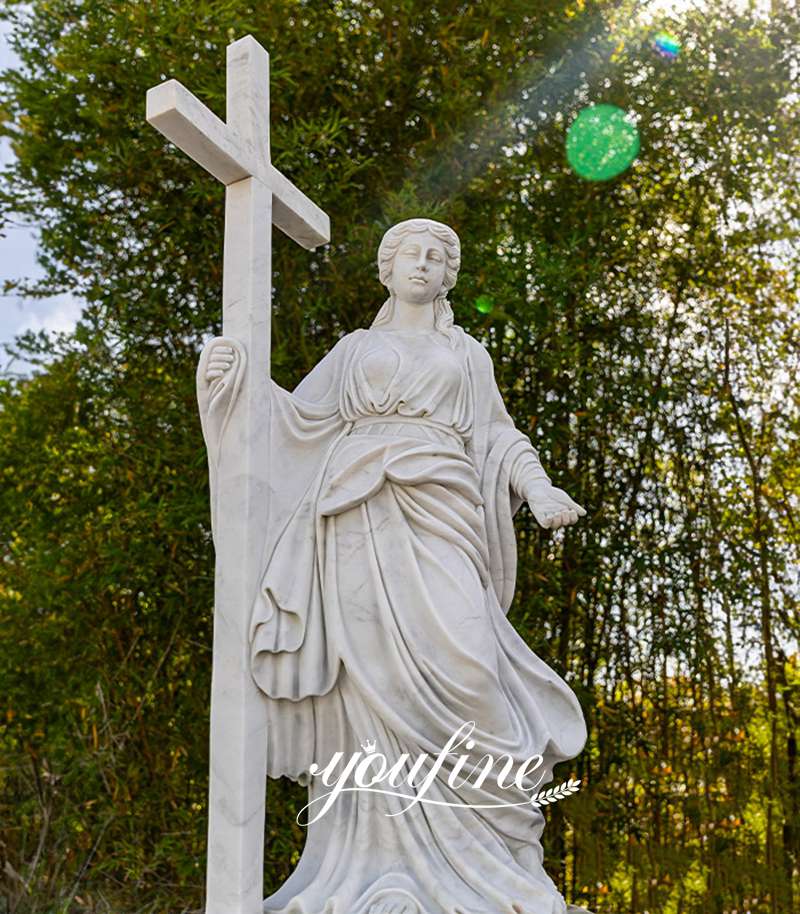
(478, 353)
(347, 340)
(353, 336)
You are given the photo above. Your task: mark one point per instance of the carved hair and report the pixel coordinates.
(442, 312)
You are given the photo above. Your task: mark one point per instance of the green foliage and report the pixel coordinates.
(644, 330)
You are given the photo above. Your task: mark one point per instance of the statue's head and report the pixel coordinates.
(417, 243)
(418, 261)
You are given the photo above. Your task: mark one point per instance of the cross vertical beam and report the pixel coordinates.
(237, 153)
(238, 739)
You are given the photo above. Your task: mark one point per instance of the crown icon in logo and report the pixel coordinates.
(368, 746)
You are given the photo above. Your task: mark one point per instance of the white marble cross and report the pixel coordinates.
(257, 195)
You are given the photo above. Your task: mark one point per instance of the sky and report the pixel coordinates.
(18, 261)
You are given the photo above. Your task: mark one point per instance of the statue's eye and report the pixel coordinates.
(436, 257)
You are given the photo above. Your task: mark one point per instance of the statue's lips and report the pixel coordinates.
(419, 279)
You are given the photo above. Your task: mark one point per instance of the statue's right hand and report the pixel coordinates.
(220, 361)
(219, 374)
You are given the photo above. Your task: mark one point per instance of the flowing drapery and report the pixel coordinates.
(381, 616)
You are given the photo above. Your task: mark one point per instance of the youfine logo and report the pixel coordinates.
(370, 771)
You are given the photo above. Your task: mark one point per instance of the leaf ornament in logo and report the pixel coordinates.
(556, 793)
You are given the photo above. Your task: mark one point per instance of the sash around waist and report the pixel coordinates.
(411, 425)
(406, 453)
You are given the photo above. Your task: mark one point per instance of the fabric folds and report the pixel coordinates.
(381, 616)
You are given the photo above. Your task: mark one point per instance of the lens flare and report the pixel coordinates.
(667, 45)
(601, 142)
(484, 304)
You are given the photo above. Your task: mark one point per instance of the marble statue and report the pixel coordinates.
(365, 562)
(381, 611)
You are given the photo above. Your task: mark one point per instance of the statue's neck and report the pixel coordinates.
(411, 316)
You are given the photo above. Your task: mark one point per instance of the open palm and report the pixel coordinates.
(553, 508)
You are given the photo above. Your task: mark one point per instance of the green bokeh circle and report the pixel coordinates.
(601, 142)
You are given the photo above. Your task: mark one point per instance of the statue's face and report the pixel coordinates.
(419, 268)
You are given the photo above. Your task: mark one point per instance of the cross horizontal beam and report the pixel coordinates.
(191, 126)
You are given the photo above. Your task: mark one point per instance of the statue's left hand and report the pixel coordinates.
(552, 507)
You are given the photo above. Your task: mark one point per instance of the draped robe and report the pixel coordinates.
(381, 616)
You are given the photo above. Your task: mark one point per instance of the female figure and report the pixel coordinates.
(381, 615)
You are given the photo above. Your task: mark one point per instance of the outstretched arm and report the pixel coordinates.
(551, 506)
